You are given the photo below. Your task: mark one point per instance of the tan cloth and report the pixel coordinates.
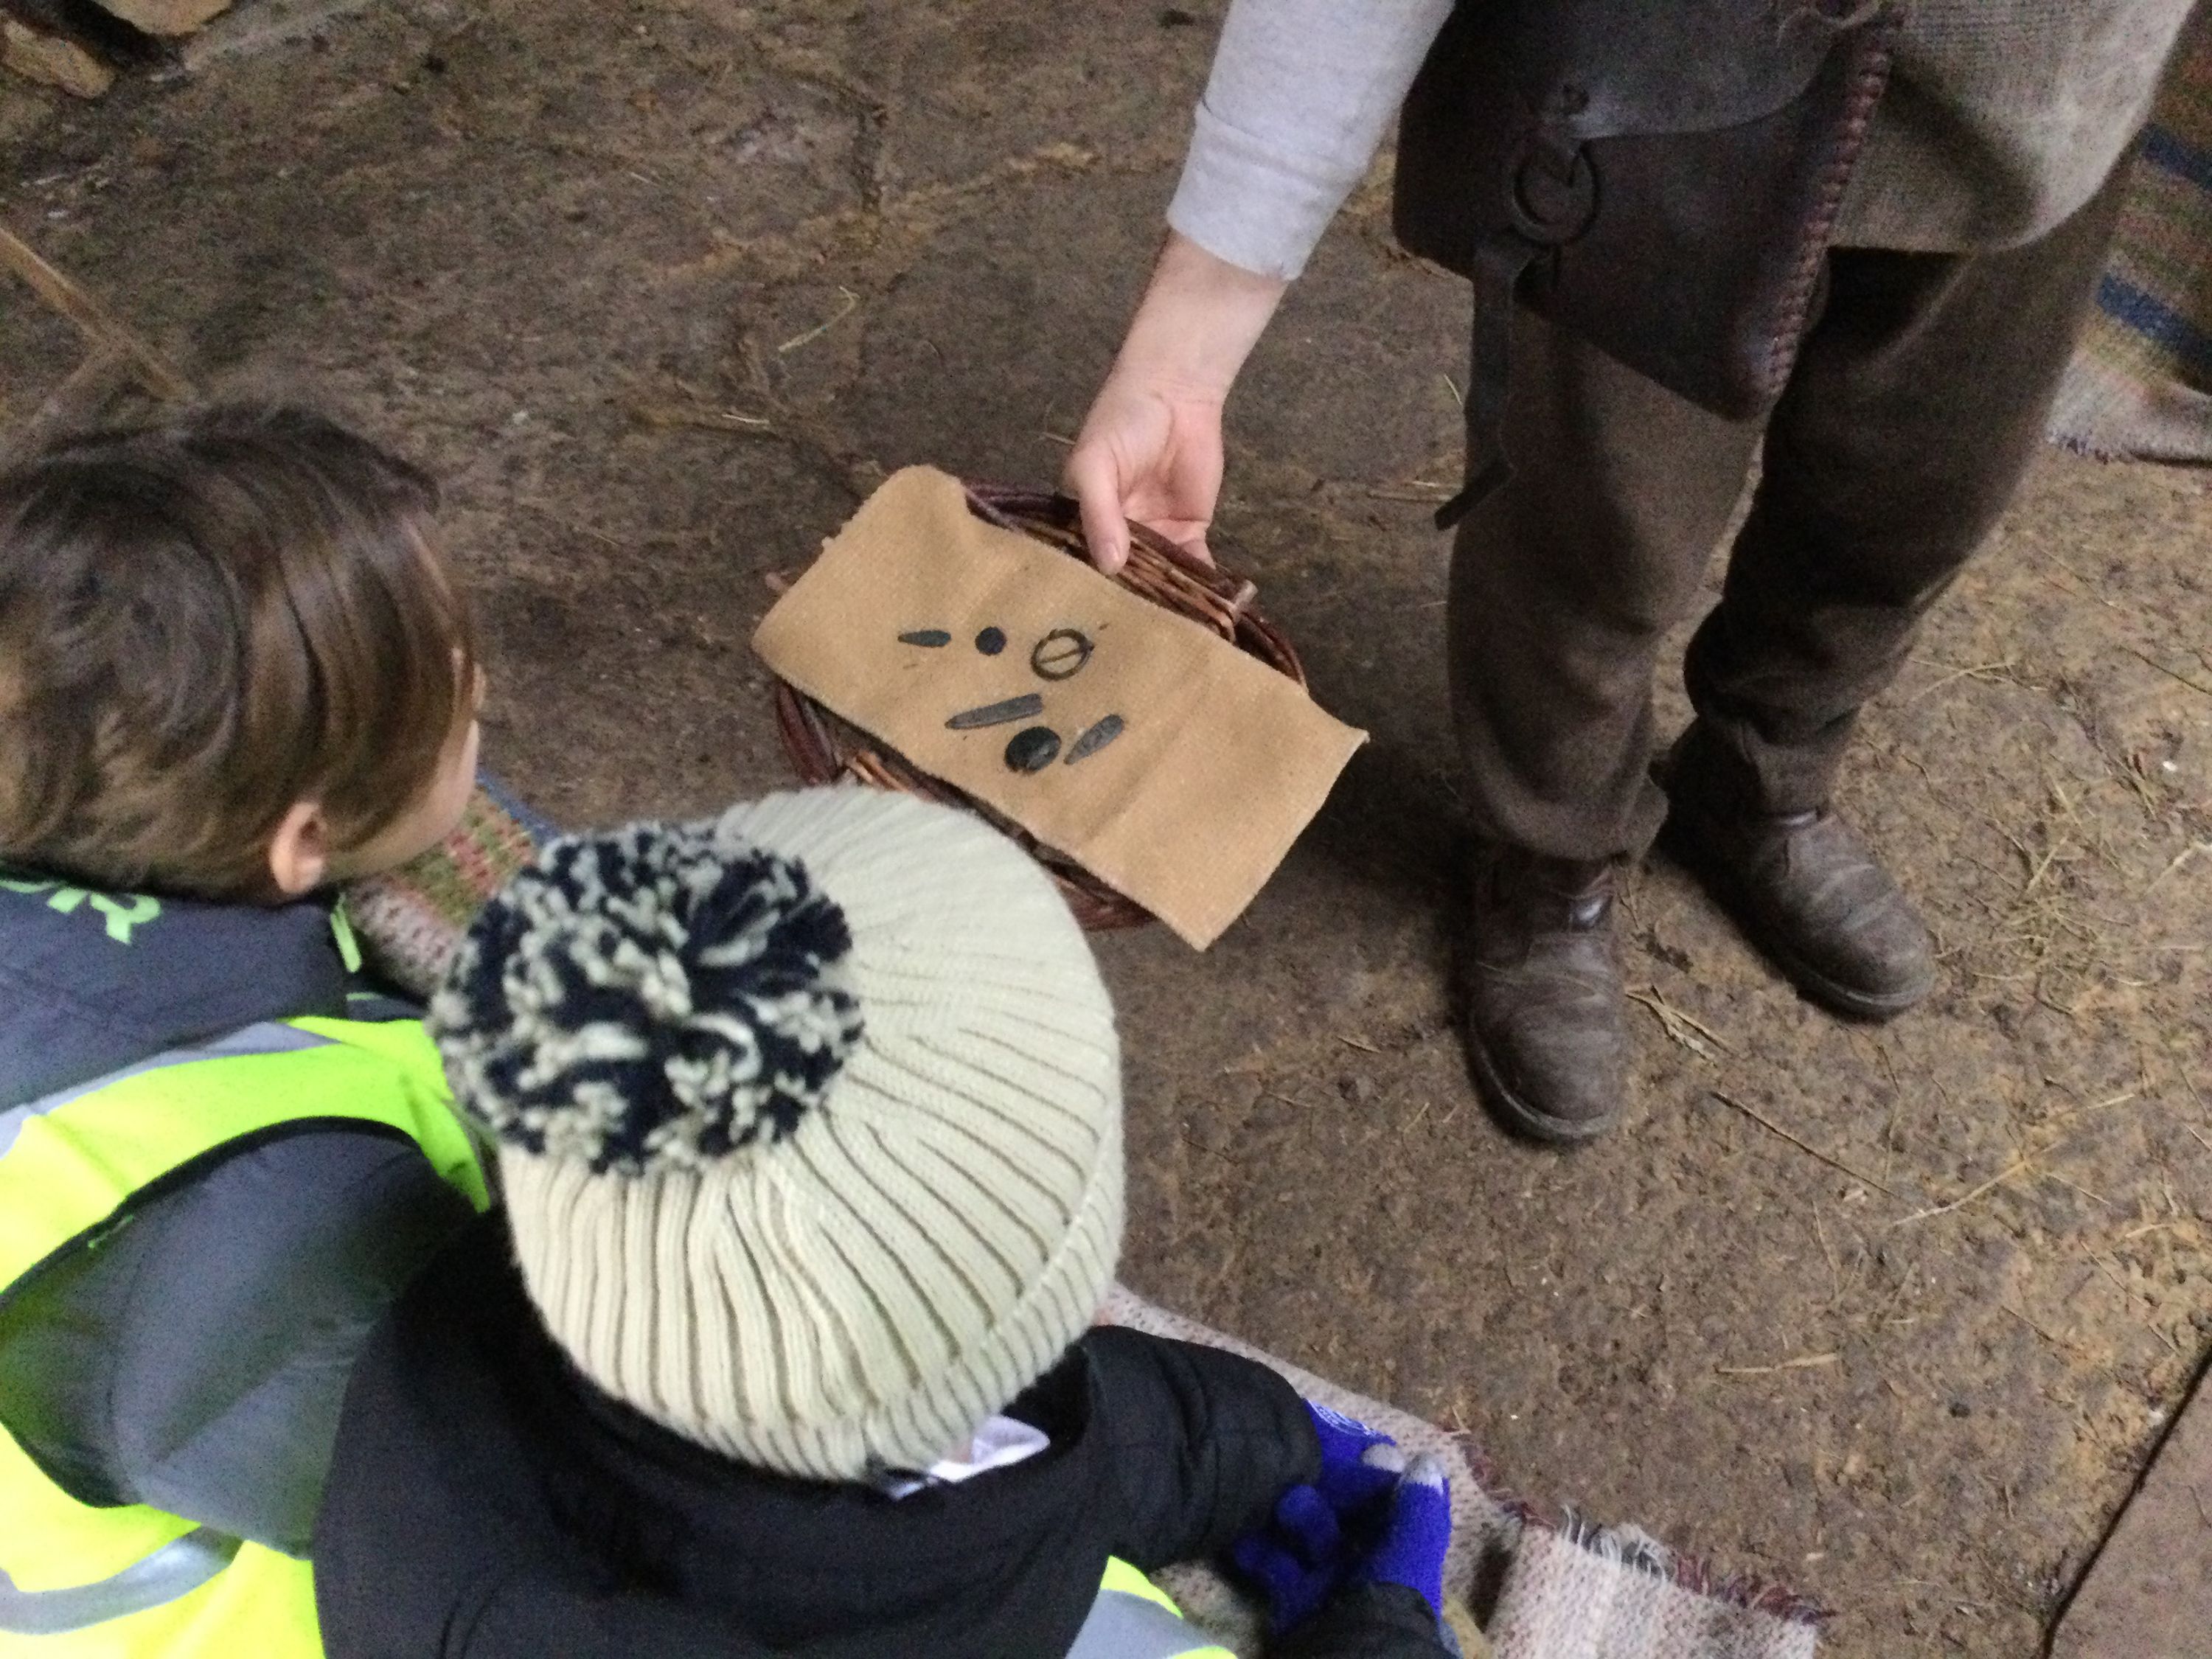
(1220, 762)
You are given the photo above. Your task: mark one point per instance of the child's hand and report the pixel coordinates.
(1320, 1536)
(1375, 1520)
(1297, 1559)
(1416, 1534)
(1344, 1479)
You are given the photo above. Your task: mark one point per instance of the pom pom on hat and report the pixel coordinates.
(818, 1248)
(646, 1000)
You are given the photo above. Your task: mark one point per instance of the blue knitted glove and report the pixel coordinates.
(1346, 1480)
(1416, 1533)
(1317, 1533)
(1297, 1558)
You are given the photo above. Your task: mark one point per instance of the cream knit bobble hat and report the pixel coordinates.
(809, 1121)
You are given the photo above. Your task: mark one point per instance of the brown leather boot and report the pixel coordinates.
(1546, 1033)
(1802, 886)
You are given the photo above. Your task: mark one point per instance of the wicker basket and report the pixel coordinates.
(823, 747)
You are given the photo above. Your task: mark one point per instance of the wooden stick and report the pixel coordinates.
(97, 323)
(2170, 673)
(1772, 1127)
(1803, 1362)
(83, 392)
(2019, 1166)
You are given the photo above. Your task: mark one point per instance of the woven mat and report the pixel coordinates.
(2141, 385)
(1543, 1589)
(410, 921)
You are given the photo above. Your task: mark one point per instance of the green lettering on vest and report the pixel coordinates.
(126, 913)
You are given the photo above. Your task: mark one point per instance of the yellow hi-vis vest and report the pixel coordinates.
(1134, 1619)
(134, 1582)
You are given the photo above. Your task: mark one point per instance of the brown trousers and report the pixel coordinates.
(1918, 402)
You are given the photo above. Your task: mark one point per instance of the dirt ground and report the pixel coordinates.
(661, 288)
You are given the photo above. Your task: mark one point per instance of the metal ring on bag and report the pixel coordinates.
(1550, 207)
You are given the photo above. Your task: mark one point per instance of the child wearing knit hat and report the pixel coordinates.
(809, 1128)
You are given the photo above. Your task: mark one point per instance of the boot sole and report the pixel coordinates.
(1520, 1115)
(1871, 1005)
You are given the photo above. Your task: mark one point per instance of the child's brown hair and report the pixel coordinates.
(205, 622)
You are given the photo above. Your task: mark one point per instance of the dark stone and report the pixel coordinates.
(991, 641)
(1107, 728)
(1032, 749)
(1960, 1408)
(1023, 707)
(931, 637)
(1174, 17)
(1061, 655)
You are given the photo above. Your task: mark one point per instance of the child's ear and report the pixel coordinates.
(300, 851)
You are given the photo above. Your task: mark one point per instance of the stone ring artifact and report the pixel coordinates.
(1061, 655)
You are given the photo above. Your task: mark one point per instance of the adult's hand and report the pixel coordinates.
(1151, 447)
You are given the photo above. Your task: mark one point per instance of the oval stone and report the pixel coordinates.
(1032, 749)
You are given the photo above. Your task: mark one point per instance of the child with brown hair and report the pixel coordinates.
(233, 671)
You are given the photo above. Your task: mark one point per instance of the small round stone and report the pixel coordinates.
(1032, 749)
(991, 641)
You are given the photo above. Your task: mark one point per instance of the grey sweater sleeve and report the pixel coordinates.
(1300, 94)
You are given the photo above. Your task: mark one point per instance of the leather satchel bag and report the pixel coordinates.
(1661, 178)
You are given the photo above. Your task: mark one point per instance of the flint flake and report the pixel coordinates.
(1102, 732)
(1023, 707)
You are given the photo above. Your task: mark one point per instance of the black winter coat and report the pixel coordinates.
(485, 1501)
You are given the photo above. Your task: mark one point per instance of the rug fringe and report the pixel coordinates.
(1629, 1546)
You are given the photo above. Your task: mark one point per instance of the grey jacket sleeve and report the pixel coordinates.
(198, 1358)
(1300, 94)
